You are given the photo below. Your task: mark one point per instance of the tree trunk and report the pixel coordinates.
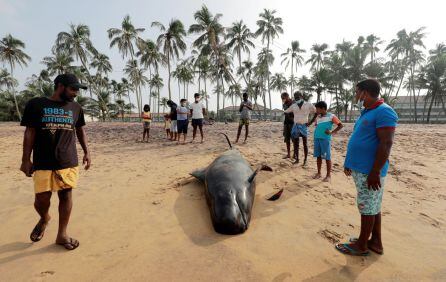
(13, 94)
(430, 107)
(168, 79)
(292, 74)
(206, 96)
(269, 90)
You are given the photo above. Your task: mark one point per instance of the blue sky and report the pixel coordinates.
(37, 22)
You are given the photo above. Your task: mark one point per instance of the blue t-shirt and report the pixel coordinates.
(363, 143)
(323, 123)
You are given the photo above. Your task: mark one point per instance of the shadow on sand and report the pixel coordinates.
(21, 248)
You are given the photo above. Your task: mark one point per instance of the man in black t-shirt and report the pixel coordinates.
(287, 123)
(173, 117)
(52, 125)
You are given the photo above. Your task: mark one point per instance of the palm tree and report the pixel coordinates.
(436, 77)
(171, 40)
(149, 56)
(157, 82)
(317, 57)
(239, 37)
(59, 63)
(292, 55)
(279, 82)
(137, 78)
(76, 43)
(101, 63)
(269, 28)
(124, 37)
(11, 53)
(371, 46)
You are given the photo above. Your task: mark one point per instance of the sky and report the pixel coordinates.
(37, 23)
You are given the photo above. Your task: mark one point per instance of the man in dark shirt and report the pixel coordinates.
(287, 123)
(173, 117)
(52, 125)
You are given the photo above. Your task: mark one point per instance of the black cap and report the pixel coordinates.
(69, 80)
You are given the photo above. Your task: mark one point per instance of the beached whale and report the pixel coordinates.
(230, 190)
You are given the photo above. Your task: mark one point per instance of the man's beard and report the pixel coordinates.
(65, 97)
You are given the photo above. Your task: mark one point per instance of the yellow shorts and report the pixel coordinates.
(55, 180)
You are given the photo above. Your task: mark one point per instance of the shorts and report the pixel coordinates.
(146, 124)
(322, 148)
(244, 121)
(299, 130)
(55, 180)
(197, 122)
(182, 126)
(173, 126)
(368, 200)
(287, 127)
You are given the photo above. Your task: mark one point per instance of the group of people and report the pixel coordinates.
(52, 125)
(176, 122)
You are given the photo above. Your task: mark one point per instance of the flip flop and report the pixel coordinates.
(354, 239)
(71, 245)
(37, 231)
(347, 250)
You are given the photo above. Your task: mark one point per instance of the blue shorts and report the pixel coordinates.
(182, 126)
(322, 149)
(368, 200)
(299, 130)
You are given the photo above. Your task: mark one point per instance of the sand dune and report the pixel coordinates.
(139, 215)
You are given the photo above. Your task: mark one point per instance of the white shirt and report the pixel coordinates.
(197, 110)
(301, 114)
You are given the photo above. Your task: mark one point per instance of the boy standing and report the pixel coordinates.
(182, 120)
(322, 138)
(198, 112)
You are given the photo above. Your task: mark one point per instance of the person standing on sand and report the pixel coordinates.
(146, 119)
(52, 125)
(197, 111)
(367, 161)
(322, 138)
(173, 121)
(167, 125)
(245, 117)
(301, 109)
(287, 123)
(183, 120)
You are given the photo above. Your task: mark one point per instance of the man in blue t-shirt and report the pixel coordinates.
(367, 161)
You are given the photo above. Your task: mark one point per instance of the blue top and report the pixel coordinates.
(363, 143)
(323, 123)
(182, 113)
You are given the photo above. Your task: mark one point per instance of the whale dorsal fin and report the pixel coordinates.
(254, 174)
(200, 174)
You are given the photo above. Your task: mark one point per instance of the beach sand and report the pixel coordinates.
(139, 215)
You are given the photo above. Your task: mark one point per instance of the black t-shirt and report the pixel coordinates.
(55, 123)
(173, 111)
(289, 117)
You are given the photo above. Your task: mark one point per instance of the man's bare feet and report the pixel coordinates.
(39, 230)
(317, 176)
(327, 179)
(296, 161)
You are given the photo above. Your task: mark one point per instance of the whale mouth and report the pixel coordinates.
(231, 225)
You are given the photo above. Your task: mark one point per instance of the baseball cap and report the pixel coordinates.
(69, 80)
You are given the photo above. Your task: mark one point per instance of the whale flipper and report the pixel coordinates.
(200, 174)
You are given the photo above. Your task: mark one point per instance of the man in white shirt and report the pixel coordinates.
(301, 109)
(198, 112)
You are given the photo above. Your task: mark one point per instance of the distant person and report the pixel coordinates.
(198, 111)
(167, 125)
(287, 123)
(245, 117)
(322, 138)
(301, 110)
(367, 161)
(52, 125)
(146, 120)
(183, 120)
(173, 120)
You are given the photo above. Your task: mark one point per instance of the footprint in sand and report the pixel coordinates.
(330, 235)
(432, 221)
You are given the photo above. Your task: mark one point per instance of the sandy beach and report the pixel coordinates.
(139, 215)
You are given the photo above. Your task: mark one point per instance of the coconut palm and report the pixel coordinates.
(317, 57)
(76, 42)
(11, 53)
(171, 40)
(239, 37)
(58, 63)
(157, 83)
(269, 28)
(371, 45)
(292, 55)
(125, 37)
(279, 82)
(136, 76)
(101, 63)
